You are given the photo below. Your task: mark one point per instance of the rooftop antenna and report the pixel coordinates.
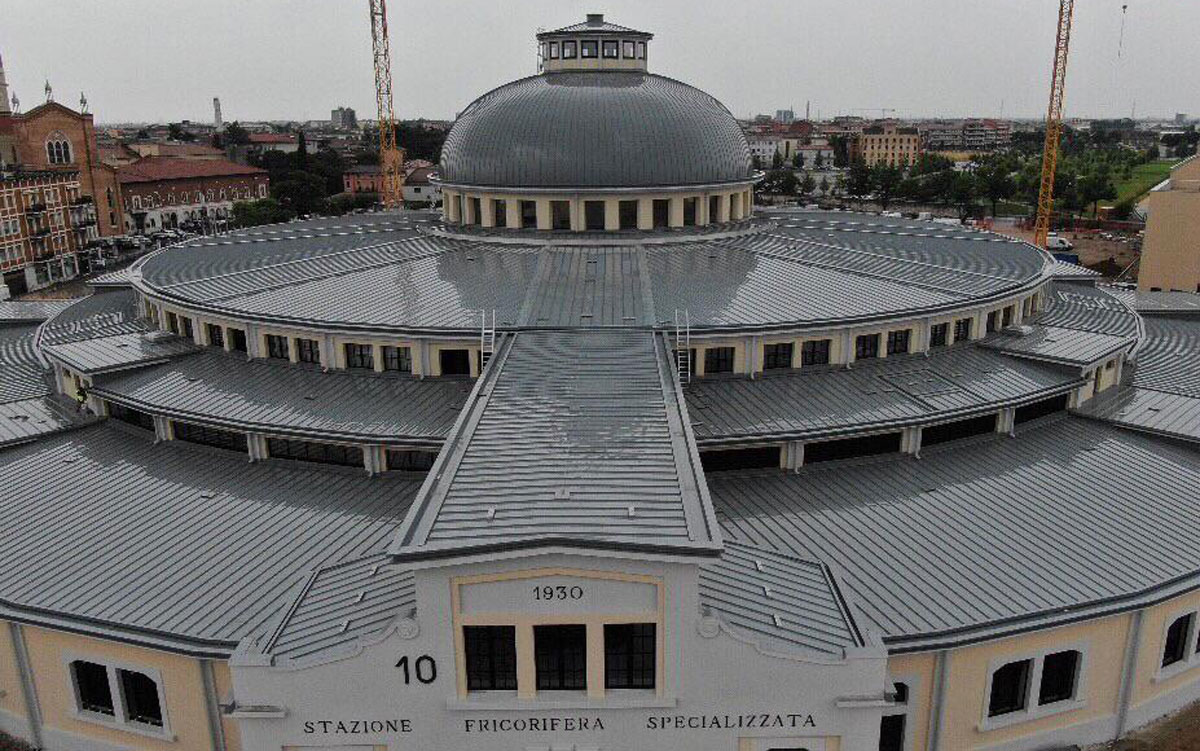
(1121, 40)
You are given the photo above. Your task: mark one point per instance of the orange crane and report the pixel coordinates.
(391, 157)
(1054, 124)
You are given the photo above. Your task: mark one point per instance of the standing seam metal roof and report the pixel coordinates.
(590, 431)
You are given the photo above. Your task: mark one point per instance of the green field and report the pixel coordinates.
(1144, 177)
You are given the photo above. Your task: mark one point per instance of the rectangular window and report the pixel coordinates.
(611, 49)
(277, 347)
(455, 362)
(993, 321)
(1060, 673)
(1175, 647)
(891, 732)
(938, 335)
(398, 359)
(313, 451)
(237, 340)
(1041, 409)
(554, 50)
(140, 693)
(629, 50)
(662, 212)
(205, 436)
(729, 460)
(589, 49)
(689, 212)
(403, 460)
(130, 416)
(815, 352)
(1008, 316)
(560, 214)
(172, 323)
(568, 50)
(898, 341)
(851, 448)
(593, 215)
(1010, 688)
(630, 655)
(718, 360)
(561, 657)
(641, 50)
(528, 214)
(962, 329)
(308, 350)
(491, 656)
(92, 687)
(866, 346)
(777, 356)
(476, 211)
(628, 214)
(185, 327)
(500, 213)
(360, 356)
(953, 431)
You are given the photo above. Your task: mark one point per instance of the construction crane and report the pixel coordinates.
(1054, 123)
(391, 158)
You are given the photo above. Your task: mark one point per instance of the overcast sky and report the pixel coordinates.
(160, 60)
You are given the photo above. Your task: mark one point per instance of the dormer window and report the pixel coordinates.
(611, 49)
(589, 49)
(568, 50)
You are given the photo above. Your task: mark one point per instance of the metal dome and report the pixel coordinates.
(603, 129)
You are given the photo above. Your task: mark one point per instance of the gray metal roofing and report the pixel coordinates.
(758, 279)
(104, 313)
(589, 431)
(595, 129)
(1068, 270)
(343, 606)
(604, 26)
(1088, 308)
(21, 373)
(120, 278)
(110, 353)
(985, 534)
(272, 397)
(27, 311)
(893, 391)
(24, 420)
(778, 598)
(1060, 345)
(1163, 395)
(105, 528)
(1159, 302)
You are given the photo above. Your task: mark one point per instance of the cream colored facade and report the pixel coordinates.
(1171, 252)
(674, 209)
(892, 146)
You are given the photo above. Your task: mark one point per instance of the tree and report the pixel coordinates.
(235, 134)
(807, 184)
(994, 183)
(779, 182)
(818, 161)
(841, 150)
(175, 132)
(254, 213)
(301, 151)
(885, 179)
(300, 192)
(823, 186)
(858, 183)
(1096, 186)
(798, 160)
(963, 192)
(777, 160)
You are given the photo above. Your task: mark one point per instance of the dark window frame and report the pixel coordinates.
(560, 657)
(1010, 694)
(278, 347)
(1176, 641)
(203, 435)
(612, 44)
(589, 44)
(815, 352)
(719, 360)
(216, 335)
(553, 54)
(490, 653)
(131, 416)
(899, 342)
(593, 215)
(140, 694)
(866, 347)
(1060, 677)
(359, 356)
(237, 340)
(93, 692)
(628, 50)
(963, 328)
(316, 452)
(445, 354)
(308, 350)
(627, 214)
(630, 656)
(570, 49)
(408, 460)
(778, 355)
(397, 359)
(939, 335)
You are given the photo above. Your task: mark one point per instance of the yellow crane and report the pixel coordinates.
(391, 157)
(1054, 124)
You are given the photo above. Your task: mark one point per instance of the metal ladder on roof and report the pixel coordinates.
(683, 346)
(487, 338)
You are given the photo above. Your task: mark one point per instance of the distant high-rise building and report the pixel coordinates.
(1181, 118)
(787, 117)
(218, 123)
(344, 117)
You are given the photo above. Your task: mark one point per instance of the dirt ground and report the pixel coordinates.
(1178, 732)
(1106, 256)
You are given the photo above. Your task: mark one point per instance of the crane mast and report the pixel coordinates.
(1054, 124)
(391, 158)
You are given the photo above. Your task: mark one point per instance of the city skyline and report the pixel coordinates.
(322, 58)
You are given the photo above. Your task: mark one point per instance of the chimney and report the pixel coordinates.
(4, 108)
(595, 19)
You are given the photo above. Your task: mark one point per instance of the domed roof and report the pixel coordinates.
(602, 129)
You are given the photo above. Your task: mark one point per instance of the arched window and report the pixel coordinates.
(58, 149)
